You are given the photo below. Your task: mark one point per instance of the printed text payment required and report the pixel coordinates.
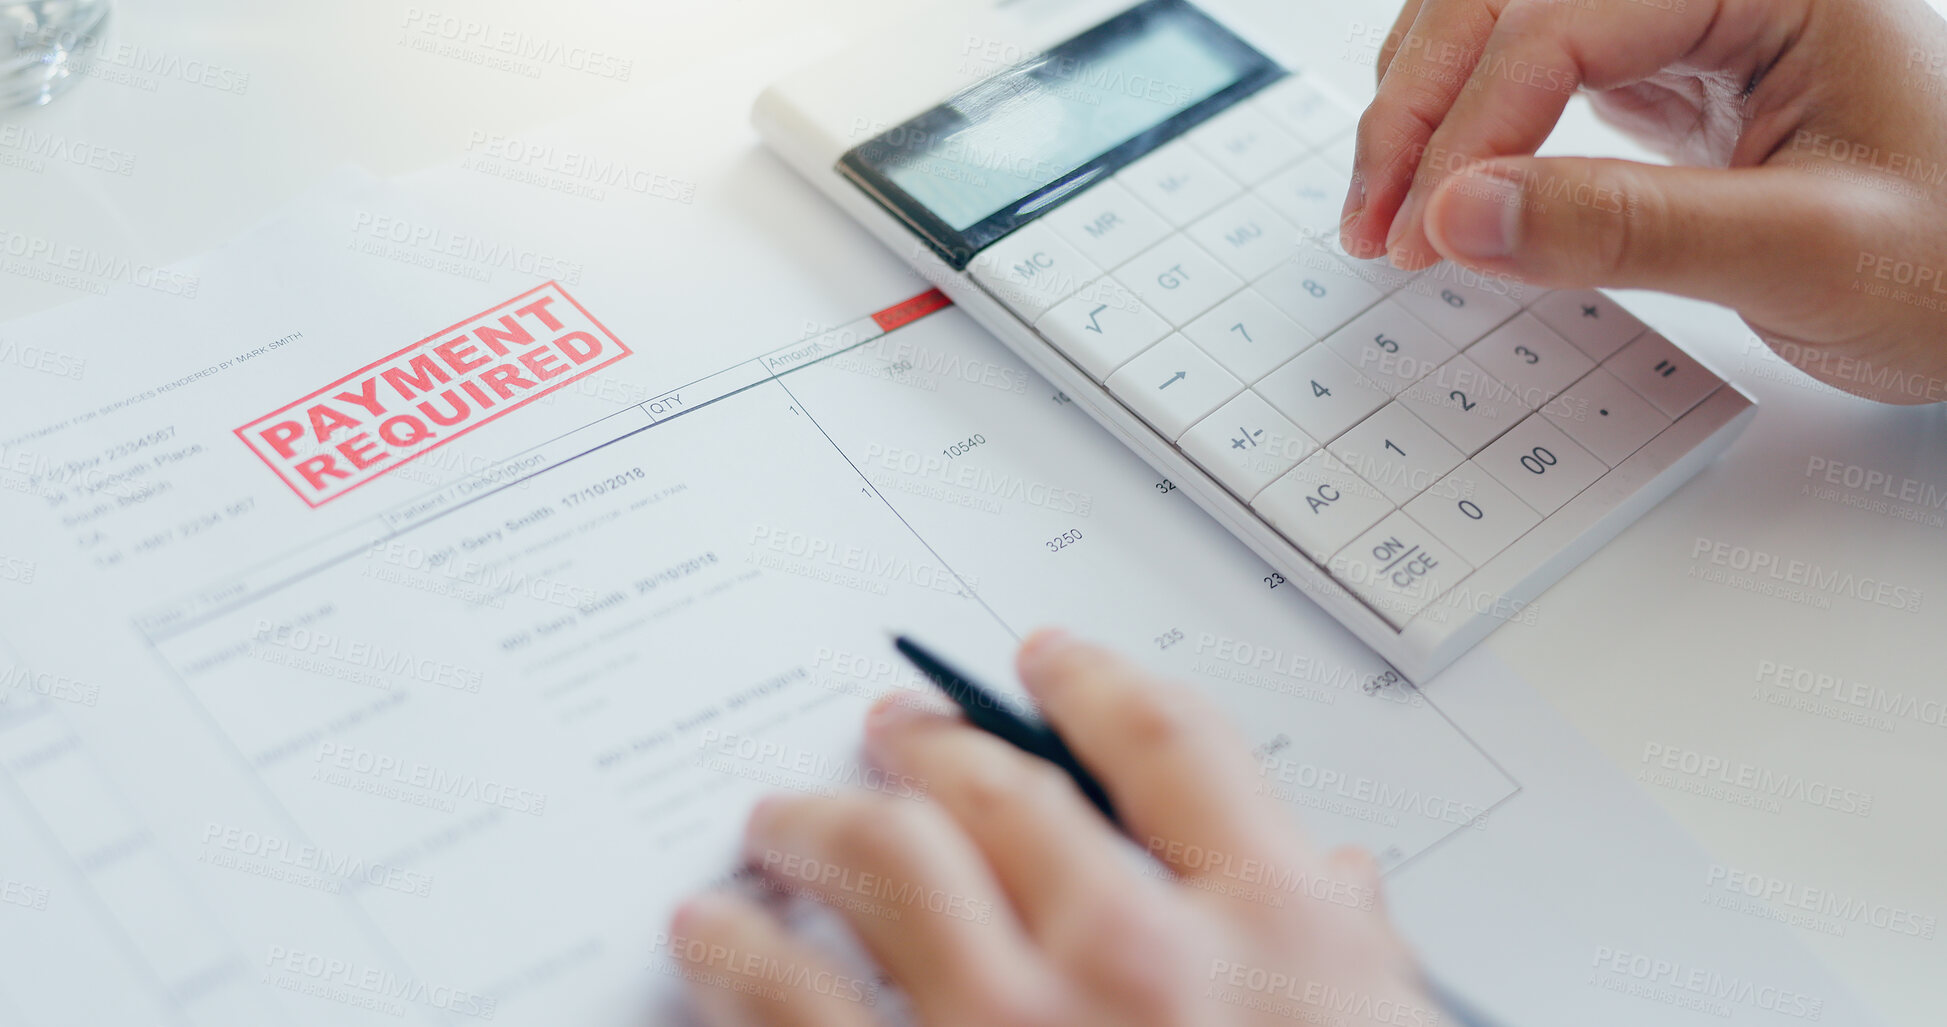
(430, 393)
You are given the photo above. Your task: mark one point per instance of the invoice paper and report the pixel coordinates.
(410, 627)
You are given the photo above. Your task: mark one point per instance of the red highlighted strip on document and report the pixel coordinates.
(900, 315)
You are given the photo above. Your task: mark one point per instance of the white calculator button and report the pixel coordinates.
(1596, 324)
(1396, 452)
(1314, 117)
(1248, 335)
(1247, 235)
(1606, 417)
(1178, 279)
(1178, 183)
(1247, 445)
(1459, 311)
(1378, 273)
(1373, 267)
(1318, 291)
(1341, 152)
(1540, 464)
(1473, 513)
(1390, 346)
(1321, 393)
(1467, 406)
(1246, 143)
(1534, 361)
(1310, 193)
(1107, 224)
(1172, 385)
(1031, 270)
(1398, 567)
(1101, 327)
(1320, 505)
(1664, 374)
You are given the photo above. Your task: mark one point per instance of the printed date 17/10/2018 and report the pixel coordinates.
(603, 487)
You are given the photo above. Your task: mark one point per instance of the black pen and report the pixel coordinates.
(988, 712)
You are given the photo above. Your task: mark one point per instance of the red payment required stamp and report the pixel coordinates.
(394, 409)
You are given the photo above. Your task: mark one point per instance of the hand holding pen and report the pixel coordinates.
(1008, 897)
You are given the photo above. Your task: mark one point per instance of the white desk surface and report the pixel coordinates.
(1634, 647)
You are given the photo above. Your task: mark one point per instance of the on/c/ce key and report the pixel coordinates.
(1398, 568)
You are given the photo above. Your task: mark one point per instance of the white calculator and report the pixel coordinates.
(1143, 204)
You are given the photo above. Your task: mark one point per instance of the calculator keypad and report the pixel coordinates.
(1304, 111)
(1177, 279)
(1321, 393)
(1321, 505)
(1247, 143)
(1310, 194)
(1472, 512)
(1247, 235)
(1172, 385)
(1594, 322)
(1248, 335)
(1107, 224)
(1398, 568)
(1467, 406)
(1401, 429)
(1665, 375)
(1397, 453)
(1461, 313)
(1247, 445)
(1032, 270)
(1606, 417)
(1178, 182)
(1318, 291)
(1531, 359)
(1541, 465)
(1102, 326)
(1391, 347)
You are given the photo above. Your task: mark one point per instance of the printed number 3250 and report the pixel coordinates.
(1063, 540)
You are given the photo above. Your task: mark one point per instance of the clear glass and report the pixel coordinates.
(40, 45)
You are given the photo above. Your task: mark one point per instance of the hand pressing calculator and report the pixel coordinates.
(1144, 206)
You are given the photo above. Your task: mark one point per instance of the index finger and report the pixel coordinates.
(1422, 77)
(1537, 56)
(1180, 775)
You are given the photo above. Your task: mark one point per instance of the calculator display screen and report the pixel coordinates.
(986, 161)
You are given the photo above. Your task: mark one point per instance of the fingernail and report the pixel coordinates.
(1355, 208)
(763, 808)
(888, 710)
(1041, 647)
(697, 912)
(1477, 217)
(755, 828)
(1044, 643)
(1400, 218)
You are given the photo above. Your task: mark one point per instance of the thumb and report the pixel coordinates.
(1746, 238)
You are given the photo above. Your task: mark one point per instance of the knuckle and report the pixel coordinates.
(1066, 669)
(1153, 718)
(997, 786)
(1014, 1006)
(868, 832)
(1136, 951)
(1624, 232)
(1527, 17)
